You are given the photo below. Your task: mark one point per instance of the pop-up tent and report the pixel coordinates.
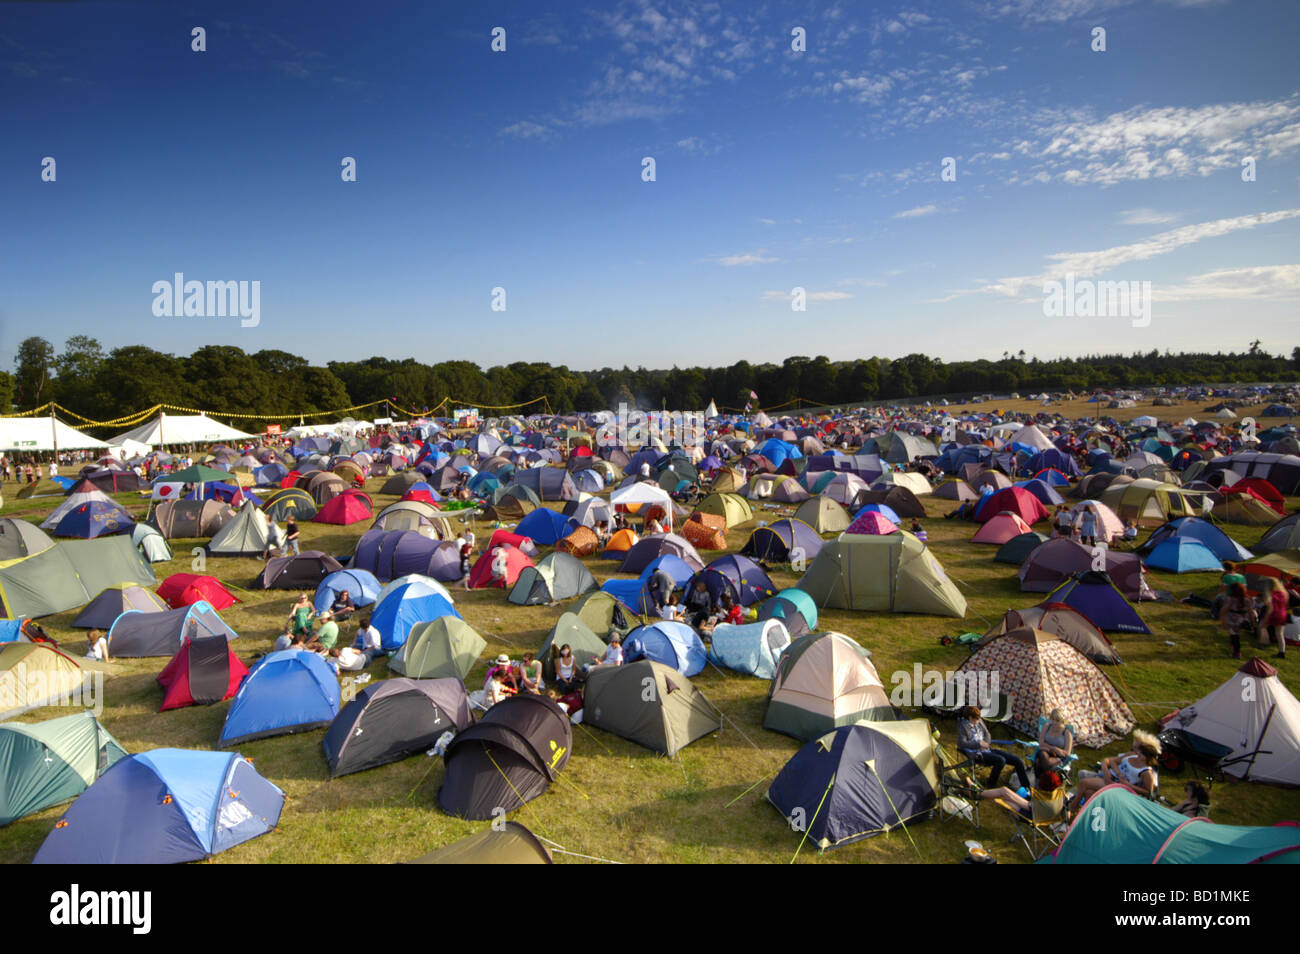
(392, 719)
(204, 671)
(751, 648)
(165, 806)
(287, 691)
(136, 633)
(441, 648)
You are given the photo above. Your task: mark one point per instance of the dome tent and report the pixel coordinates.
(824, 681)
(443, 647)
(285, 692)
(394, 718)
(894, 572)
(675, 716)
(45, 763)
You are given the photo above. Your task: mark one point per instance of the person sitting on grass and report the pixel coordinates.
(1197, 802)
(502, 668)
(327, 631)
(730, 610)
(300, 616)
(671, 610)
(918, 531)
(370, 641)
(496, 690)
(613, 653)
(97, 645)
(566, 670)
(529, 674)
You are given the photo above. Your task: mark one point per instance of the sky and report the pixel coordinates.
(774, 169)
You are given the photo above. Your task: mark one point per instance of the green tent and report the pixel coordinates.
(892, 572)
(68, 574)
(823, 514)
(512, 844)
(1117, 826)
(557, 576)
(446, 646)
(571, 630)
(603, 613)
(650, 704)
(733, 508)
(199, 474)
(45, 763)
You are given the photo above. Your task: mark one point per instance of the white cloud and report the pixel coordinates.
(1259, 282)
(1145, 216)
(526, 129)
(917, 212)
(746, 258)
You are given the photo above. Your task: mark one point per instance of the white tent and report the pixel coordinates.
(1258, 718)
(1031, 435)
(181, 429)
(39, 434)
(644, 493)
(1146, 420)
(129, 449)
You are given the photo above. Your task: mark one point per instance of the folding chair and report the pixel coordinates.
(1045, 811)
(959, 789)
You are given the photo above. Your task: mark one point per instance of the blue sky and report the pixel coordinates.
(774, 169)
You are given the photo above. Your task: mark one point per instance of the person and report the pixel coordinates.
(1135, 768)
(918, 531)
(529, 674)
(662, 586)
(566, 671)
(671, 610)
(1062, 524)
(974, 741)
(1197, 802)
(1276, 611)
(500, 566)
(291, 535)
(496, 690)
(613, 653)
(370, 639)
(274, 540)
(300, 616)
(1130, 532)
(645, 470)
(97, 645)
(504, 669)
(731, 611)
(1088, 527)
(602, 533)
(327, 631)
(466, 551)
(1046, 780)
(1238, 613)
(699, 604)
(54, 469)
(1056, 740)
(282, 642)
(653, 526)
(343, 607)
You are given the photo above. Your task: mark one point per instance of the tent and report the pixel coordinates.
(1055, 561)
(92, 519)
(1016, 500)
(545, 526)
(1117, 826)
(1064, 622)
(113, 601)
(895, 572)
(189, 519)
(823, 515)
(619, 543)
(1255, 716)
(548, 483)
(1017, 549)
(640, 495)
(583, 643)
(290, 502)
(1040, 672)
(390, 554)
(674, 715)
(392, 719)
(649, 549)
(872, 521)
(284, 692)
(45, 763)
(1283, 535)
(733, 508)
(674, 644)
(1001, 528)
(1245, 509)
(68, 574)
(183, 589)
(441, 648)
(512, 563)
(1183, 555)
(19, 539)
(28, 435)
(165, 806)
(859, 780)
(204, 671)
(506, 759)
(752, 648)
(1148, 502)
(248, 534)
(1219, 543)
(36, 674)
(90, 494)
(785, 541)
(558, 576)
(603, 614)
(509, 843)
(897, 498)
(746, 581)
(1094, 595)
(137, 634)
(304, 571)
(151, 544)
(793, 607)
(823, 681)
(404, 606)
(180, 429)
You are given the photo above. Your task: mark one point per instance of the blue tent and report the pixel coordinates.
(884, 510)
(788, 603)
(93, 519)
(1054, 459)
(270, 475)
(751, 648)
(747, 581)
(165, 806)
(288, 691)
(1183, 555)
(778, 451)
(545, 526)
(1047, 494)
(636, 593)
(403, 607)
(1096, 597)
(673, 644)
(1194, 528)
(362, 587)
(11, 629)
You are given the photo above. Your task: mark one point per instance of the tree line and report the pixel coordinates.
(101, 385)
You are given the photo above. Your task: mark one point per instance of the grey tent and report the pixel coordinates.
(569, 631)
(162, 634)
(443, 647)
(603, 614)
(188, 519)
(510, 844)
(548, 483)
(151, 544)
(67, 574)
(414, 515)
(1019, 547)
(673, 716)
(19, 539)
(394, 718)
(557, 576)
(248, 534)
(112, 602)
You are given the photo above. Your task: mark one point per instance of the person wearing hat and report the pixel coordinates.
(500, 681)
(327, 631)
(503, 667)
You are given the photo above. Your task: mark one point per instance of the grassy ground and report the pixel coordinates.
(617, 800)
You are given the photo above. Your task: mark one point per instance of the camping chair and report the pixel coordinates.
(1045, 811)
(959, 789)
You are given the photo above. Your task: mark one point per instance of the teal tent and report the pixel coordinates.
(45, 763)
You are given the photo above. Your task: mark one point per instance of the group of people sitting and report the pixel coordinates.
(318, 632)
(700, 608)
(1136, 769)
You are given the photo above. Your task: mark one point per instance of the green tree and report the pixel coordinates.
(35, 358)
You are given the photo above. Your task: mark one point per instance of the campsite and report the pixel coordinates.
(695, 789)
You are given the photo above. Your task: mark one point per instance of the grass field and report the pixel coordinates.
(617, 800)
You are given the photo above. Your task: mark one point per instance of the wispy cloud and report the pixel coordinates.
(526, 129)
(1145, 216)
(1259, 282)
(745, 258)
(811, 296)
(917, 212)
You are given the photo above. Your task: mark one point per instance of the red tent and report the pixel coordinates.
(1260, 489)
(480, 575)
(290, 479)
(184, 589)
(344, 509)
(526, 544)
(1001, 528)
(204, 671)
(422, 496)
(1015, 500)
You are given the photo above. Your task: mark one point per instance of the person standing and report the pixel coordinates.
(1276, 611)
(291, 535)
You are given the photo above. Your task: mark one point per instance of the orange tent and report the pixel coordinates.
(620, 542)
(582, 542)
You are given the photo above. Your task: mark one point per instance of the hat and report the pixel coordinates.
(503, 660)
(324, 614)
